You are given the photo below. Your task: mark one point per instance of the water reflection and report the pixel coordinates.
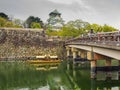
(40, 88)
(105, 85)
(81, 79)
(21, 76)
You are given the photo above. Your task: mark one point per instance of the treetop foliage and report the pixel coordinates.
(79, 27)
(72, 28)
(32, 19)
(7, 23)
(3, 15)
(35, 25)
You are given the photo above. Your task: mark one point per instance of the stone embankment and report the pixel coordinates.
(22, 43)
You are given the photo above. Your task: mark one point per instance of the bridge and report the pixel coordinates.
(94, 47)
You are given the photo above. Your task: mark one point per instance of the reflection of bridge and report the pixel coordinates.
(101, 46)
(78, 76)
(102, 85)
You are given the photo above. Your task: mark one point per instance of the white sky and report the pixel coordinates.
(93, 11)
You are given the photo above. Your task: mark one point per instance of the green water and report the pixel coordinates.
(22, 76)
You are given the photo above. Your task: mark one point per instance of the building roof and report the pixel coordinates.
(55, 12)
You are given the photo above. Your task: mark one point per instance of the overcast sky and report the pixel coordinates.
(93, 11)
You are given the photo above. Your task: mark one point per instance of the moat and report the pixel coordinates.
(22, 76)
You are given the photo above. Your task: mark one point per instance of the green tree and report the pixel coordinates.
(35, 25)
(18, 22)
(69, 31)
(79, 27)
(31, 19)
(99, 28)
(78, 24)
(2, 22)
(3, 15)
(107, 28)
(96, 27)
(9, 24)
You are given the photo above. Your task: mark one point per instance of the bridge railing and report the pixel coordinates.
(106, 38)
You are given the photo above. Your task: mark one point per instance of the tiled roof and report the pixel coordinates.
(55, 12)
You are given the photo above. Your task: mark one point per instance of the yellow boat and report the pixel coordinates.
(44, 59)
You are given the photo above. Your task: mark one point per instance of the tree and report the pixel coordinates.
(78, 24)
(69, 31)
(99, 28)
(31, 19)
(35, 25)
(9, 24)
(18, 22)
(2, 22)
(3, 15)
(107, 28)
(96, 27)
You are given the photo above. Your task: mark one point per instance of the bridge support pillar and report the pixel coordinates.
(68, 51)
(108, 74)
(93, 69)
(74, 52)
(82, 54)
(79, 53)
(74, 56)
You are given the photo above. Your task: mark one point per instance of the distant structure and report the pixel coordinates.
(55, 20)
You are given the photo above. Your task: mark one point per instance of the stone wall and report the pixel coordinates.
(16, 43)
(22, 36)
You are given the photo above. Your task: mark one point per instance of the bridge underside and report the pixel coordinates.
(112, 53)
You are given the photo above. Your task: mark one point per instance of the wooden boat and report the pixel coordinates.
(44, 60)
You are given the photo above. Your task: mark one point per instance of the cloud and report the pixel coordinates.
(108, 11)
(93, 11)
(62, 1)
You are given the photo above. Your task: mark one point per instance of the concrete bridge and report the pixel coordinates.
(94, 47)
